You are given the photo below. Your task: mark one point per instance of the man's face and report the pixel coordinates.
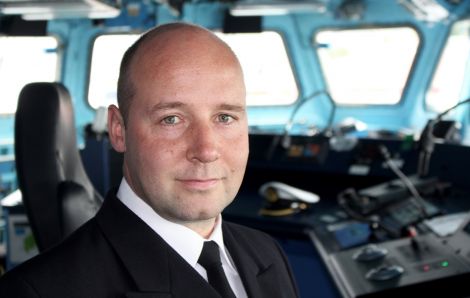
(186, 136)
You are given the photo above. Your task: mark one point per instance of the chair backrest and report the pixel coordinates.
(57, 193)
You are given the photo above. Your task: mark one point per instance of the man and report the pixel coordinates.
(181, 124)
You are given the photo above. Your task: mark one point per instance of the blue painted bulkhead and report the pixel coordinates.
(76, 39)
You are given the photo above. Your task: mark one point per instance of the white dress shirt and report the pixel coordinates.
(187, 243)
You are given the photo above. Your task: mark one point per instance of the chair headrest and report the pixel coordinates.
(46, 154)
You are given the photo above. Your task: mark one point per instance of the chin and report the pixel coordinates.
(207, 214)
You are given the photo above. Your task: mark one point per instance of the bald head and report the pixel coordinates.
(163, 50)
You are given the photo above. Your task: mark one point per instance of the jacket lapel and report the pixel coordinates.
(156, 269)
(258, 275)
(147, 295)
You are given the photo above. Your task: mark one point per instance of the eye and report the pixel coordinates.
(224, 118)
(171, 120)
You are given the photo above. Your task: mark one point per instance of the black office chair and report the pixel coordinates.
(57, 194)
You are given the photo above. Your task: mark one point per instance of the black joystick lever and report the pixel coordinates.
(370, 252)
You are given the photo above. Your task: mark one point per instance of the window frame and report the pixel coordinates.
(406, 81)
(282, 38)
(90, 61)
(427, 106)
(57, 69)
(293, 71)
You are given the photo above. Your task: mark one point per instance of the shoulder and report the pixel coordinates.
(252, 248)
(244, 230)
(81, 250)
(81, 239)
(250, 238)
(13, 285)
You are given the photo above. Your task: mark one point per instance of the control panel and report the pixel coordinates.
(425, 266)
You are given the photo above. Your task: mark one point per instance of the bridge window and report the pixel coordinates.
(24, 60)
(367, 66)
(268, 74)
(446, 86)
(104, 73)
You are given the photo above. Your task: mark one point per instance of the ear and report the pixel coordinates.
(116, 129)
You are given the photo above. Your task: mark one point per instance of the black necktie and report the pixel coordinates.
(210, 260)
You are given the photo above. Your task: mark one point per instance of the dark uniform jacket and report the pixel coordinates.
(116, 254)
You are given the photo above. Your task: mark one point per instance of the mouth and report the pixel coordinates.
(199, 184)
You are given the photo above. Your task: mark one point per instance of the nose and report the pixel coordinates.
(202, 144)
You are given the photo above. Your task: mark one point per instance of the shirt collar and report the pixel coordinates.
(187, 243)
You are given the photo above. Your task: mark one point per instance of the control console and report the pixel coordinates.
(425, 266)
